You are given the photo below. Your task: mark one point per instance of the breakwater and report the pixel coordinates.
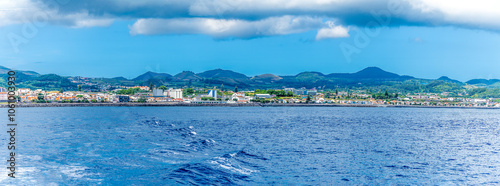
(181, 104)
(171, 104)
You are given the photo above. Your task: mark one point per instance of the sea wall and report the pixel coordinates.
(177, 104)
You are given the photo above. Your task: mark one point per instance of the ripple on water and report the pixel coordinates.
(258, 146)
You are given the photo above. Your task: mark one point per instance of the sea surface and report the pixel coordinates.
(254, 146)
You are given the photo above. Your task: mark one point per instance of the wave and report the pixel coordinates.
(193, 159)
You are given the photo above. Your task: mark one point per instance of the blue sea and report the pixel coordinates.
(254, 146)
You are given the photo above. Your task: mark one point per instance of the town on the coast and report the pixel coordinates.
(371, 86)
(218, 95)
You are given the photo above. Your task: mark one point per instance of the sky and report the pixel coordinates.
(109, 38)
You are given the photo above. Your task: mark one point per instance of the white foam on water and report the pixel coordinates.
(24, 176)
(225, 164)
(158, 144)
(32, 158)
(78, 172)
(73, 171)
(168, 156)
(208, 141)
(168, 152)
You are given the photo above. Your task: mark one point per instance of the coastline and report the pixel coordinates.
(177, 104)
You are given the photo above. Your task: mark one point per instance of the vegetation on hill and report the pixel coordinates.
(371, 80)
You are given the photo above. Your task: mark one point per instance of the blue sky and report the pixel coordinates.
(113, 38)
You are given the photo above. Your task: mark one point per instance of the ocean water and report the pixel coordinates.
(255, 146)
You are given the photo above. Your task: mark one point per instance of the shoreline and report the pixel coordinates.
(176, 104)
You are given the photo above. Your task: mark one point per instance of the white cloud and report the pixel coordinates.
(241, 8)
(26, 11)
(332, 32)
(13, 12)
(478, 14)
(254, 18)
(227, 28)
(482, 14)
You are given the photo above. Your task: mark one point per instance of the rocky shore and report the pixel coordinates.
(171, 104)
(178, 104)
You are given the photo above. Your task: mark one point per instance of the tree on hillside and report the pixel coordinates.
(129, 91)
(151, 86)
(190, 91)
(79, 87)
(235, 88)
(41, 96)
(61, 90)
(163, 87)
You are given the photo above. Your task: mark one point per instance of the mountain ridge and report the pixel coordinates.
(370, 76)
(152, 75)
(483, 81)
(370, 73)
(186, 75)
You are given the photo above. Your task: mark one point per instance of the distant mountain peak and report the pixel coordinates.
(447, 79)
(373, 70)
(267, 75)
(310, 72)
(186, 76)
(220, 73)
(152, 75)
(483, 81)
(371, 73)
(376, 73)
(266, 78)
(4, 68)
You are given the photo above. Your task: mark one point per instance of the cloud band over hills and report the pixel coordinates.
(250, 18)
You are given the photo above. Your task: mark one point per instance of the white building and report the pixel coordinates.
(3, 96)
(158, 92)
(289, 90)
(23, 90)
(262, 96)
(175, 93)
(301, 91)
(312, 92)
(213, 93)
(240, 97)
(480, 100)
